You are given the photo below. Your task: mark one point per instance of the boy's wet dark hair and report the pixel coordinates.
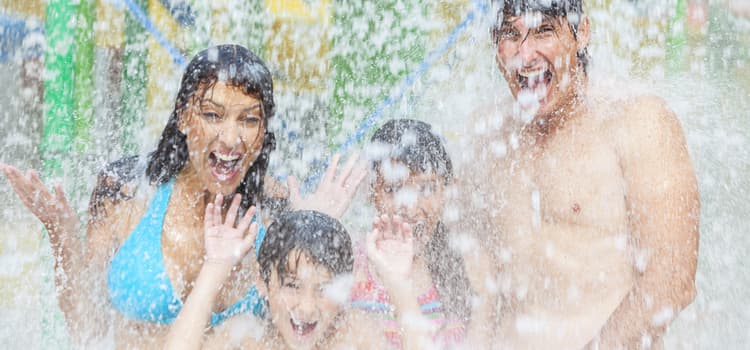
(319, 236)
(413, 143)
(238, 67)
(570, 10)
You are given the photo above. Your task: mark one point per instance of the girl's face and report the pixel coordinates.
(224, 132)
(300, 303)
(418, 198)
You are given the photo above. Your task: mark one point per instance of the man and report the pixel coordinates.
(589, 202)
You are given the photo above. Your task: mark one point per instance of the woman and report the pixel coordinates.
(144, 244)
(411, 265)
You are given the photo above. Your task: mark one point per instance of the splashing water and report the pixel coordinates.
(325, 89)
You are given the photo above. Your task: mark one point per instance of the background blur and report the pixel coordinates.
(89, 81)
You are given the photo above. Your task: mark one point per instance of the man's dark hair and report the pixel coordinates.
(413, 143)
(321, 237)
(238, 67)
(570, 10)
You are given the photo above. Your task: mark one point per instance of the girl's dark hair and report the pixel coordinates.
(413, 143)
(548, 8)
(238, 67)
(321, 237)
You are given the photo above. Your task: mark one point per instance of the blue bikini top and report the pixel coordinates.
(137, 280)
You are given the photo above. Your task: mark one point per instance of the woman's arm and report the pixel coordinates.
(53, 210)
(334, 193)
(225, 248)
(79, 278)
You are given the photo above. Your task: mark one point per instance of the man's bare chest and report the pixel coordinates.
(575, 183)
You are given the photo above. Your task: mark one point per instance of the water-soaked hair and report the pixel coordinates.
(414, 144)
(238, 67)
(569, 10)
(320, 237)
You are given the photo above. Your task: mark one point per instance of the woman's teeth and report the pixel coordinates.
(227, 158)
(224, 165)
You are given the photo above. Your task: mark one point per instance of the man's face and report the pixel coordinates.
(537, 56)
(300, 304)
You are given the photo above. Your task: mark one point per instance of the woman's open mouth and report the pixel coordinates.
(224, 166)
(302, 328)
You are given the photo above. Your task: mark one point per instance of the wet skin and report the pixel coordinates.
(591, 212)
(537, 56)
(224, 130)
(301, 312)
(417, 198)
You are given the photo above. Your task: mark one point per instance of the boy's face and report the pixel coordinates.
(299, 305)
(418, 198)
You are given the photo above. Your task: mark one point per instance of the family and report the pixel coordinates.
(582, 233)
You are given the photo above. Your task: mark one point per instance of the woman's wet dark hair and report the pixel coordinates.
(238, 67)
(321, 237)
(413, 143)
(558, 9)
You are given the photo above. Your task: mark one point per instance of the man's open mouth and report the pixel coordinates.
(532, 80)
(224, 166)
(302, 328)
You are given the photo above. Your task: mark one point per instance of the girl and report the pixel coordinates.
(423, 274)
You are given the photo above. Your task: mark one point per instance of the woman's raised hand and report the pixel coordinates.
(334, 193)
(390, 248)
(54, 211)
(227, 243)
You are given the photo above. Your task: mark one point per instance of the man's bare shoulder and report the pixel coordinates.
(642, 121)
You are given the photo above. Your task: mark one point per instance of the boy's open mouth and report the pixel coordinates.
(224, 166)
(302, 328)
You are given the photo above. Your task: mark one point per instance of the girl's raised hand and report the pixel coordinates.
(390, 248)
(227, 243)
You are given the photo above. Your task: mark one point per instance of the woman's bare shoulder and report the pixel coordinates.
(114, 204)
(117, 182)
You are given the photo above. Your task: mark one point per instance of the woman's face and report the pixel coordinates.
(300, 305)
(416, 197)
(224, 131)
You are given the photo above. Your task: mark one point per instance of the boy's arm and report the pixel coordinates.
(225, 246)
(187, 331)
